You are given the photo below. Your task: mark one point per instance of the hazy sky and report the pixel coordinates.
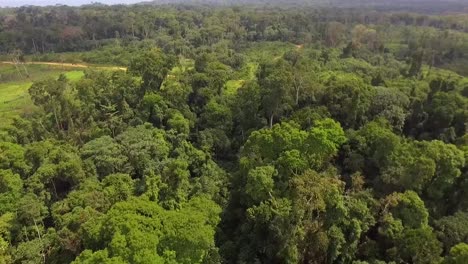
(4, 3)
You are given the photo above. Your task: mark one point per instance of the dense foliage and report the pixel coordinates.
(238, 135)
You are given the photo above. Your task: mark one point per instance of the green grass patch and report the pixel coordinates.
(247, 73)
(14, 96)
(14, 99)
(232, 86)
(74, 75)
(30, 72)
(251, 68)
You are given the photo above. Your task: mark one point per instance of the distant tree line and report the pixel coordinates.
(240, 135)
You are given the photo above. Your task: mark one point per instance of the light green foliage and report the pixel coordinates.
(260, 183)
(37, 250)
(409, 168)
(176, 94)
(216, 115)
(14, 100)
(118, 187)
(316, 146)
(283, 202)
(458, 254)
(140, 231)
(30, 209)
(11, 188)
(314, 195)
(264, 146)
(104, 103)
(88, 257)
(217, 119)
(307, 116)
(5, 226)
(407, 208)
(324, 139)
(12, 157)
(314, 218)
(175, 177)
(154, 108)
(53, 96)
(179, 123)
(264, 51)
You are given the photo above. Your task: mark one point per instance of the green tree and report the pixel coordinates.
(246, 109)
(348, 99)
(57, 169)
(6, 221)
(152, 66)
(145, 147)
(452, 229)
(419, 246)
(369, 148)
(11, 189)
(458, 254)
(260, 183)
(52, 96)
(140, 231)
(275, 82)
(105, 155)
(12, 157)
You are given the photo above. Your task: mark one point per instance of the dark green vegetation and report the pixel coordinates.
(237, 135)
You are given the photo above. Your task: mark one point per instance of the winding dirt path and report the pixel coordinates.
(69, 65)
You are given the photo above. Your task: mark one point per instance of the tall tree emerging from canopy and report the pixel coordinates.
(274, 179)
(276, 84)
(152, 66)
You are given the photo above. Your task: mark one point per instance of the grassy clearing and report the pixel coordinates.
(34, 72)
(74, 75)
(14, 99)
(246, 74)
(233, 85)
(14, 85)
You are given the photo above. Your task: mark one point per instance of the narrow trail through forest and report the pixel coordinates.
(69, 65)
